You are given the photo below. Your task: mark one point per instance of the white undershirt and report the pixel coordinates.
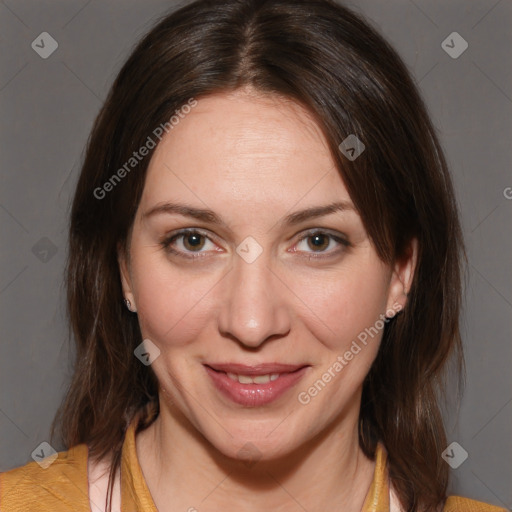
(97, 474)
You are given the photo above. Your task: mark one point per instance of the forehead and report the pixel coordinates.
(244, 149)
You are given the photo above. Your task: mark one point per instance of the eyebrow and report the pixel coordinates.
(211, 217)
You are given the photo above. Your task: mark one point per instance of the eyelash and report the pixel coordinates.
(166, 243)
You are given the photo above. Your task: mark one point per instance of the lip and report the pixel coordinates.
(254, 394)
(257, 369)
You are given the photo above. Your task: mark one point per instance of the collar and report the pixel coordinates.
(377, 499)
(135, 495)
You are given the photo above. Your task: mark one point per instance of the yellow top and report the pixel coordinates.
(63, 485)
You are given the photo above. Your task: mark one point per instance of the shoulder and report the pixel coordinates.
(50, 485)
(459, 504)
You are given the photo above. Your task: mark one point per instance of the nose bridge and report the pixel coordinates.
(253, 307)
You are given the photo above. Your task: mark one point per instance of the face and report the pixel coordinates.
(267, 320)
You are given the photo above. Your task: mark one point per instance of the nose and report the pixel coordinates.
(254, 307)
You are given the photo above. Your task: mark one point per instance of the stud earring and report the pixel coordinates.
(128, 304)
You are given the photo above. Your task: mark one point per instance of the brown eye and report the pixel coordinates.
(188, 243)
(318, 241)
(320, 244)
(193, 241)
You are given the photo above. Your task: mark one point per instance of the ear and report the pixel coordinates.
(124, 271)
(401, 278)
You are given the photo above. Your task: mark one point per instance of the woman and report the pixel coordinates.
(263, 277)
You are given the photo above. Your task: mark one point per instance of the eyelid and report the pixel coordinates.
(336, 235)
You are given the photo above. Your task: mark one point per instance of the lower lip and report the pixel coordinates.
(254, 395)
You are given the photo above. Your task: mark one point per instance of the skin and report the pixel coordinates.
(254, 159)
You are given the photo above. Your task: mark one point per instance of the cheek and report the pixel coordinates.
(172, 305)
(346, 305)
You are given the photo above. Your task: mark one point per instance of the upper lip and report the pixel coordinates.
(256, 369)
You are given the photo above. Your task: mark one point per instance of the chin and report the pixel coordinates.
(259, 441)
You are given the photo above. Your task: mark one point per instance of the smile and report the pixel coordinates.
(254, 386)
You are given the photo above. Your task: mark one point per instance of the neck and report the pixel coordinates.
(329, 471)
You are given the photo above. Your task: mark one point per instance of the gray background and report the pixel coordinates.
(48, 106)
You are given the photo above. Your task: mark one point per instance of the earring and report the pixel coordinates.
(128, 304)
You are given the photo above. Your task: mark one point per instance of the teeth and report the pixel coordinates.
(245, 380)
(258, 379)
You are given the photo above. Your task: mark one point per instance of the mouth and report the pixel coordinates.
(254, 386)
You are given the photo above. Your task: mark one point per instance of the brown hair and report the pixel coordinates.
(329, 60)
